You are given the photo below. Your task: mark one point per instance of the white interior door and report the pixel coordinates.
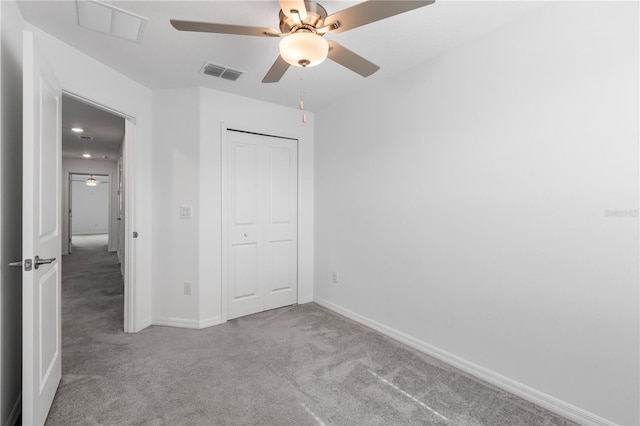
(245, 255)
(70, 224)
(261, 220)
(280, 215)
(41, 237)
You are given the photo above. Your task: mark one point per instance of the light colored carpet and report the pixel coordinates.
(300, 365)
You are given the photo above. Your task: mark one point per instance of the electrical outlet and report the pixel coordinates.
(187, 288)
(186, 212)
(334, 277)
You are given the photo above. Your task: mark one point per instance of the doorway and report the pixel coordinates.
(96, 142)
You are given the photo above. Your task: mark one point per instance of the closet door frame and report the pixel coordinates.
(224, 206)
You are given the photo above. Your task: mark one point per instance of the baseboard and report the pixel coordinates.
(306, 299)
(146, 323)
(210, 322)
(186, 323)
(175, 322)
(15, 412)
(523, 391)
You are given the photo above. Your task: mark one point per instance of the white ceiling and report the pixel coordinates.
(167, 58)
(106, 129)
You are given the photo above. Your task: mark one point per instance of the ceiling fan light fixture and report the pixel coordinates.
(304, 49)
(92, 181)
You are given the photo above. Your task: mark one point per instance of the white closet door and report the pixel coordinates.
(261, 209)
(281, 223)
(245, 255)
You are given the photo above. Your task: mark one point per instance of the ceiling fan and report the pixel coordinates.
(303, 25)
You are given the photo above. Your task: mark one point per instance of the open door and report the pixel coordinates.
(41, 272)
(70, 223)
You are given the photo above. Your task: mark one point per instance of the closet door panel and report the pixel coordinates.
(281, 230)
(245, 253)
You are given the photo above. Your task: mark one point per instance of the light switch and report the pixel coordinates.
(186, 212)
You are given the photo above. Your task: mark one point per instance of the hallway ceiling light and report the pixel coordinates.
(77, 129)
(86, 155)
(91, 181)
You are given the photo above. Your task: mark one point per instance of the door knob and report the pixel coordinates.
(27, 264)
(246, 235)
(37, 261)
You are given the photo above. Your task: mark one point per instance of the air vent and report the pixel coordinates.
(232, 75)
(85, 138)
(111, 20)
(221, 72)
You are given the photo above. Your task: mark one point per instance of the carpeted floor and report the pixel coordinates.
(300, 365)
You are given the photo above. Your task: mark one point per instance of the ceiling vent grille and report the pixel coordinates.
(85, 138)
(221, 72)
(111, 20)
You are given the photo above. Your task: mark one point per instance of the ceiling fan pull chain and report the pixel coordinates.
(304, 115)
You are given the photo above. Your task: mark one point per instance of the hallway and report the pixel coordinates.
(92, 295)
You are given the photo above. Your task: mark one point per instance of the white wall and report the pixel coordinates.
(89, 166)
(187, 171)
(84, 76)
(175, 182)
(90, 207)
(11, 24)
(463, 205)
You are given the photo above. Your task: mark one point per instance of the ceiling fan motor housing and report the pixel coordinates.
(316, 15)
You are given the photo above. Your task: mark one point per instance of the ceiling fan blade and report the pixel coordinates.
(210, 27)
(289, 6)
(370, 11)
(277, 70)
(348, 59)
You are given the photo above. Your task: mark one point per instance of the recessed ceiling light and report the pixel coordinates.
(86, 155)
(77, 129)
